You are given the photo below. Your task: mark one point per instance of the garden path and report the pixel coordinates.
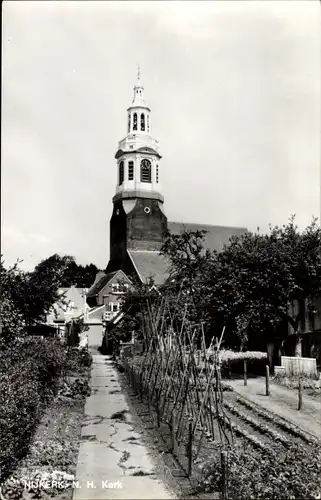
(283, 402)
(113, 462)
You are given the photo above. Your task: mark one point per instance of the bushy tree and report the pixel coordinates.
(136, 308)
(12, 322)
(253, 282)
(26, 297)
(188, 263)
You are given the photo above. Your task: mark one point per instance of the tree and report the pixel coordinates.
(12, 323)
(188, 263)
(79, 276)
(136, 306)
(37, 291)
(256, 278)
(26, 297)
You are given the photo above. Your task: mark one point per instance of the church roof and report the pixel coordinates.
(216, 236)
(149, 264)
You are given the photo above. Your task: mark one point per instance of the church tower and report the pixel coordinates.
(138, 221)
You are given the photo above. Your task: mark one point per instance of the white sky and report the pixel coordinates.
(234, 88)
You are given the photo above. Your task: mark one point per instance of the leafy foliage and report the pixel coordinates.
(254, 280)
(30, 369)
(189, 263)
(31, 373)
(249, 286)
(227, 356)
(295, 473)
(12, 322)
(26, 297)
(67, 271)
(134, 307)
(76, 327)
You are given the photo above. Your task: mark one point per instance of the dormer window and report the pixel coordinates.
(121, 173)
(130, 170)
(142, 122)
(135, 122)
(145, 171)
(118, 288)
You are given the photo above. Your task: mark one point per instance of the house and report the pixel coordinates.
(107, 291)
(72, 303)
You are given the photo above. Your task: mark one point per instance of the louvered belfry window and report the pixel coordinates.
(142, 122)
(121, 173)
(146, 171)
(135, 121)
(130, 170)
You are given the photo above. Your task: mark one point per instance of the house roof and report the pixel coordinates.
(92, 313)
(216, 237)
(72, 295)
(95, 289)
(63, 290)
(150, 264)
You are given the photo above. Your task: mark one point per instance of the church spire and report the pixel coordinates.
(138, 156)
(139, 99)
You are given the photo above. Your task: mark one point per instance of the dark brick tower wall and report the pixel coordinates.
(145, 231)
(143, 228)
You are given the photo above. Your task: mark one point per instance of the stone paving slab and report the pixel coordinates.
(113, 462)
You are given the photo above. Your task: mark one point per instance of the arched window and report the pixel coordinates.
(121, 173)
(157, 174)
(128, 123)
(145, 171)
(142, 122)
(135, 122)
(130, 170)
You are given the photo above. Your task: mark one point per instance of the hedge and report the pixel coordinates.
(29, 377)
(227, 356)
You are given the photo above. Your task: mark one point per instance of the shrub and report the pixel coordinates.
(227, 356)
(295, 473)
(78, 358)
(293, 382)
(29, 375)
(232, 361)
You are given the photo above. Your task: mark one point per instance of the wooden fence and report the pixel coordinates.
(182, 389)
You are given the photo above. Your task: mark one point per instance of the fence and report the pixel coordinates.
(182, 388)
(295, 366)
